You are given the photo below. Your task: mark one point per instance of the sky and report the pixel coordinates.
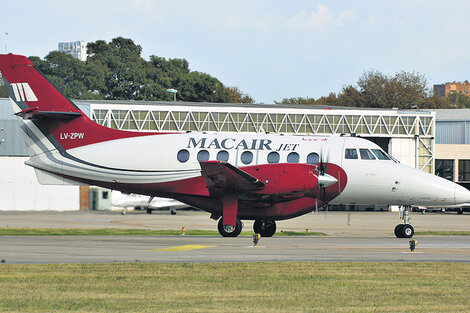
(270, 49)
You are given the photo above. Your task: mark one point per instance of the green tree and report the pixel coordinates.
(374, 89)
(404, 90)
(236, 96)
(458, 100)
(117, 71)
(298, 100)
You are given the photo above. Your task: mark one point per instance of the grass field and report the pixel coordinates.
(127, 232)
(236, 287)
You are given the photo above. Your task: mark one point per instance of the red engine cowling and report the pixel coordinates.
(285, 178)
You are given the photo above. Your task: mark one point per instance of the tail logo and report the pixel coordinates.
(23, 91)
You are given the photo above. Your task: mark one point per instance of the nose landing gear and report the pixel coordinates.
(405, 230)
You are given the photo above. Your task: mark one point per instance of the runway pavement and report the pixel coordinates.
(345, 224)
(107, 249)
(354, 236)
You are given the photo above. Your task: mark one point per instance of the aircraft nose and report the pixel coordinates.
(461, 194)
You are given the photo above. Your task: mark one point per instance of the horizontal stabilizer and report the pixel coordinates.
(33, 113)
(46, 178)
(221, 175)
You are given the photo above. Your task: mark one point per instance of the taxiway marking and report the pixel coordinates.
(184, 248)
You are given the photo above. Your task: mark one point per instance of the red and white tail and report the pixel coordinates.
(52, 121)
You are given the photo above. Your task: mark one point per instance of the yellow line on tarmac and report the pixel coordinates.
(184, 248)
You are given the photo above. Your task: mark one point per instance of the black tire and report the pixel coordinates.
(173, 212)
(459, 211)
(149, 211)
(234, 233)
(264, 228)
(407, 231)
(398, 231)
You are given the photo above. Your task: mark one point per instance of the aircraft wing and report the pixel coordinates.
(221, 176)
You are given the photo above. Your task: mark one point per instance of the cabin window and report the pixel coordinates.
(366, 154)
(293, 157)
(183, 155)
(380, 154)
(273, 157)
(222, 156)
(247, 157)
(313, 158)
(203, 155)
(350, 154)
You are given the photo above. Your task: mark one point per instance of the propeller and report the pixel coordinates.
(324, 179)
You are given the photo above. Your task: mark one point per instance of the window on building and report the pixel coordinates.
(247, 157)
(293, 157)
(203, 155)
(350, 154)
(313, 158)
(273, 157)
(366, 154)
(464, 170)
(445, 169)
(222, 156)
(183, 155)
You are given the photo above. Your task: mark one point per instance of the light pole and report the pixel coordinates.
(6, 36)
(174, 91)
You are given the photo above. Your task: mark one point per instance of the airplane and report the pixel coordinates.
(232, 176)
(142, 202)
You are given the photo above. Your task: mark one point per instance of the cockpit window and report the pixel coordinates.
(380, 154)
(350, 154)
(366, 154)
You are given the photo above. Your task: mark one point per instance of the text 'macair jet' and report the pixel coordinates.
(233, 176)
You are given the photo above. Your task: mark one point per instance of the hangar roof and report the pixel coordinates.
(452, 114)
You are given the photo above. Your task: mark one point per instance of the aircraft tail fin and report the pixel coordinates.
(51, 120)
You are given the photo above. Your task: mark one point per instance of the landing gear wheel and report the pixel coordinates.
(172, 211)
(264, 228)
(398, 231)
(459, 211)
(225, 232)
(149, 211)
(407, 231)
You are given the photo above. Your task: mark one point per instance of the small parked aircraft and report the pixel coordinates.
(141, 202)
(233, 176)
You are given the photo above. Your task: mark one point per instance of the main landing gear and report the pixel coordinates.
(229, 230)
(264, 228)
(405, 230)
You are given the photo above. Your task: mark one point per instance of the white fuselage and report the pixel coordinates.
(159, 159)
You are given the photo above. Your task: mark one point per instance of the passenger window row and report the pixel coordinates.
(247, 157)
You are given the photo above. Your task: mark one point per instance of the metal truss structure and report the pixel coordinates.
(203, 117)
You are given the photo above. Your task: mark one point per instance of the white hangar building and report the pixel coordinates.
(407, 135)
